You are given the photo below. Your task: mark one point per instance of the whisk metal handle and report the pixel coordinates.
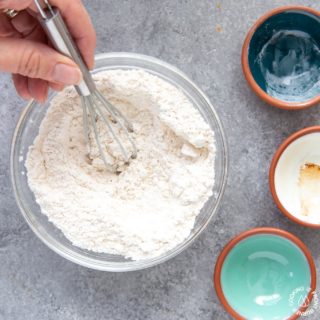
(57, 31)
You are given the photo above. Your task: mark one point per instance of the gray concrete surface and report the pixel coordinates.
(204, 39)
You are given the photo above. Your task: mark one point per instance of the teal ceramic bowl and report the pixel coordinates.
(265, 274)
(281, 57)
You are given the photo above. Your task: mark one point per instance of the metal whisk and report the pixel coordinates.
(95, 105)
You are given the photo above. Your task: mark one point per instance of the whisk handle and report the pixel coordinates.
(57, 31)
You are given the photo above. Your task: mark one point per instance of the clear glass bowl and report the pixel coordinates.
(28, 127)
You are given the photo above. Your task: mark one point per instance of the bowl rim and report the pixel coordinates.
(247, 71)
(252, 232)
(273, 168)
(132, 265)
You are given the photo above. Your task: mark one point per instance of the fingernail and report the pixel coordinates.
(67, 75)
(43, 99)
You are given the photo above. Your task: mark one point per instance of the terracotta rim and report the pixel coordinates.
(272, 171)
(247, 72)
(252, 232)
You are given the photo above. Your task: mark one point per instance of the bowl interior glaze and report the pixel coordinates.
(281, 57)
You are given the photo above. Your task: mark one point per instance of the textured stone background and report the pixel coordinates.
(203, 38)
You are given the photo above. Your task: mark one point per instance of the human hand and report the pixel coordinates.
(24, 49)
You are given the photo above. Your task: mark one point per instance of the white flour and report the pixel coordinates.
(151, 206)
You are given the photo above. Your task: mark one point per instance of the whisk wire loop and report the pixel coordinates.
(111, 130)
(93, 116)
(85, 121)
(118, 117)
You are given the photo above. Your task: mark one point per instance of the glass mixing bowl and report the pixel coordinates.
(28, 127)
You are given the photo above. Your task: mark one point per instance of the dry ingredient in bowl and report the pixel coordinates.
(151, 206)
(309, 185)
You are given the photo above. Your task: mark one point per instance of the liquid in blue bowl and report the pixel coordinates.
(265, 274)
(281, 57)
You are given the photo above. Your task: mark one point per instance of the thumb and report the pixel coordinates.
(37, 60)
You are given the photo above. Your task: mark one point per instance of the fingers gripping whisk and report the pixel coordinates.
(97, 109)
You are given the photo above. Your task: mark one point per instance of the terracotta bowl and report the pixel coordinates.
(297, 18)
(296, 153)
(265, 273)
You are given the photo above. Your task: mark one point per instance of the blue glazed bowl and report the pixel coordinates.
(281, 57)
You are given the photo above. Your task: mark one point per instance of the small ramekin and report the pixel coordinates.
(273, 167)
(262, 231)
(247, 70)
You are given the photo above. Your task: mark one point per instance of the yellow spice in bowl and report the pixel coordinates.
(309, 184)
